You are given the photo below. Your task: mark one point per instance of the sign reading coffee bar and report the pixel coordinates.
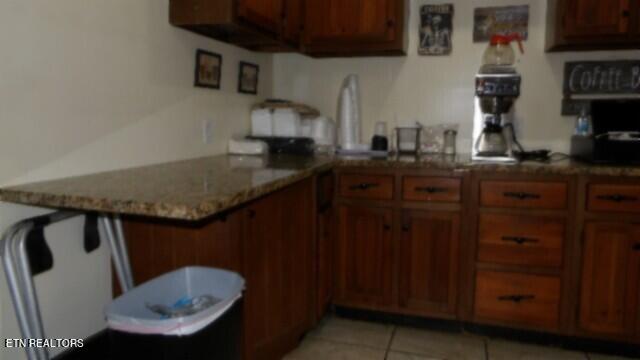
(602, 77)
(598, 78)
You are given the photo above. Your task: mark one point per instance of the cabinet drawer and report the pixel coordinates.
(605, 197)
(521, 240)
(521, 194)
(528, 300)
(436, 189)
(377, 187)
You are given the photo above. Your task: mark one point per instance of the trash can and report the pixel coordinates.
(192, 313)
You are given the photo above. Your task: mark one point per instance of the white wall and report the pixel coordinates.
(439, 90)
(88, 85)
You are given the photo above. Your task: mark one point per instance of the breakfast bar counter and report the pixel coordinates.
(196, 189)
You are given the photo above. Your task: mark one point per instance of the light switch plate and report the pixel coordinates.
(207, 132)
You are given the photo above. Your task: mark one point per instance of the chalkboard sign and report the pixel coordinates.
(602, 77)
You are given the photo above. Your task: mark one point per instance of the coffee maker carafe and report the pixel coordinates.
(497, 87)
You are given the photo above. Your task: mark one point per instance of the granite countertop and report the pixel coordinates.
(560, 166)
(183, 190)
(198, 188)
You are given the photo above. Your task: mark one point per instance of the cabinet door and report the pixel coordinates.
(278, 271)
(610, 276)
(585, 18)
(350, 21)
(429, 261)
(363, 273)
(265, 14)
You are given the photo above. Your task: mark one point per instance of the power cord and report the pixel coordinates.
(534, 155)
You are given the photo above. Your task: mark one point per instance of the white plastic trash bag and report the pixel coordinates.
(132, 312)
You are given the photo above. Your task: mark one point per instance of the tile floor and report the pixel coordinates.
(341, 339)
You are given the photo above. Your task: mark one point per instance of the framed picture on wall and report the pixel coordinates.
(248, 78)
(436, 29)
(208, 69)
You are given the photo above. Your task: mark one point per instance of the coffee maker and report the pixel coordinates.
(496, 91)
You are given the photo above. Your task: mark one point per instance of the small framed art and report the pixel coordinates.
(248, 78)
(208, 69)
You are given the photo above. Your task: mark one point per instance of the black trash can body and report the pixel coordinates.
(137, 330)
(221, 340)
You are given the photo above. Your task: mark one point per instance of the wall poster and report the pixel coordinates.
(500, 20)
(436, 26)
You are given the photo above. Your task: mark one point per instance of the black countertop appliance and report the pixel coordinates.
(616, 134)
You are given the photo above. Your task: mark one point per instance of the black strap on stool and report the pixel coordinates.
(91, 233)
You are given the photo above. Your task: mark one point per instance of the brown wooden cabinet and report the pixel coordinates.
(398, 243)
(363, 256)
(334, 27)
(429, 260)
(159, 246)
(521, 233)
(593, 24)
(586, 18)
(314, 27)
(264, 14)
(610, 280)
(263, 25)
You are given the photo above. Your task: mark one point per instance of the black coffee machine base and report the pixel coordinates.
(591, 150)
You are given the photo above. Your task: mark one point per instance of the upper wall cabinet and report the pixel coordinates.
(593, 25)
(355, 27)
(315, 27)
(262, 25)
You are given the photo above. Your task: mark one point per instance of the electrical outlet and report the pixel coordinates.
(207, 132)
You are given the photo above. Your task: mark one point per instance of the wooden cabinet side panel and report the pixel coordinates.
(278, 260)
(157, 247)
(325, 266)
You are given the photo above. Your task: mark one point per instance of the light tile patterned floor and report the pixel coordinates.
(342, 339)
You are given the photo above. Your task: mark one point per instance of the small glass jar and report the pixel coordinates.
(408, 139)
(449, 147)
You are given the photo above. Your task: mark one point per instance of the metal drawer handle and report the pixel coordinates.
(363, 186)
(516, 298)
(636, 247)
(617, 198)
(521, 195)
(430, 189)
(520, 240)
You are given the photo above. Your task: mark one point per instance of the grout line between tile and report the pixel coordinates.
(486, 348)
(319, 338)
(393, 334)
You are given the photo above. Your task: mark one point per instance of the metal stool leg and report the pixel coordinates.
(116, 240)
(20, 281)
(30, 297)
(124, 253)
(14, 283)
